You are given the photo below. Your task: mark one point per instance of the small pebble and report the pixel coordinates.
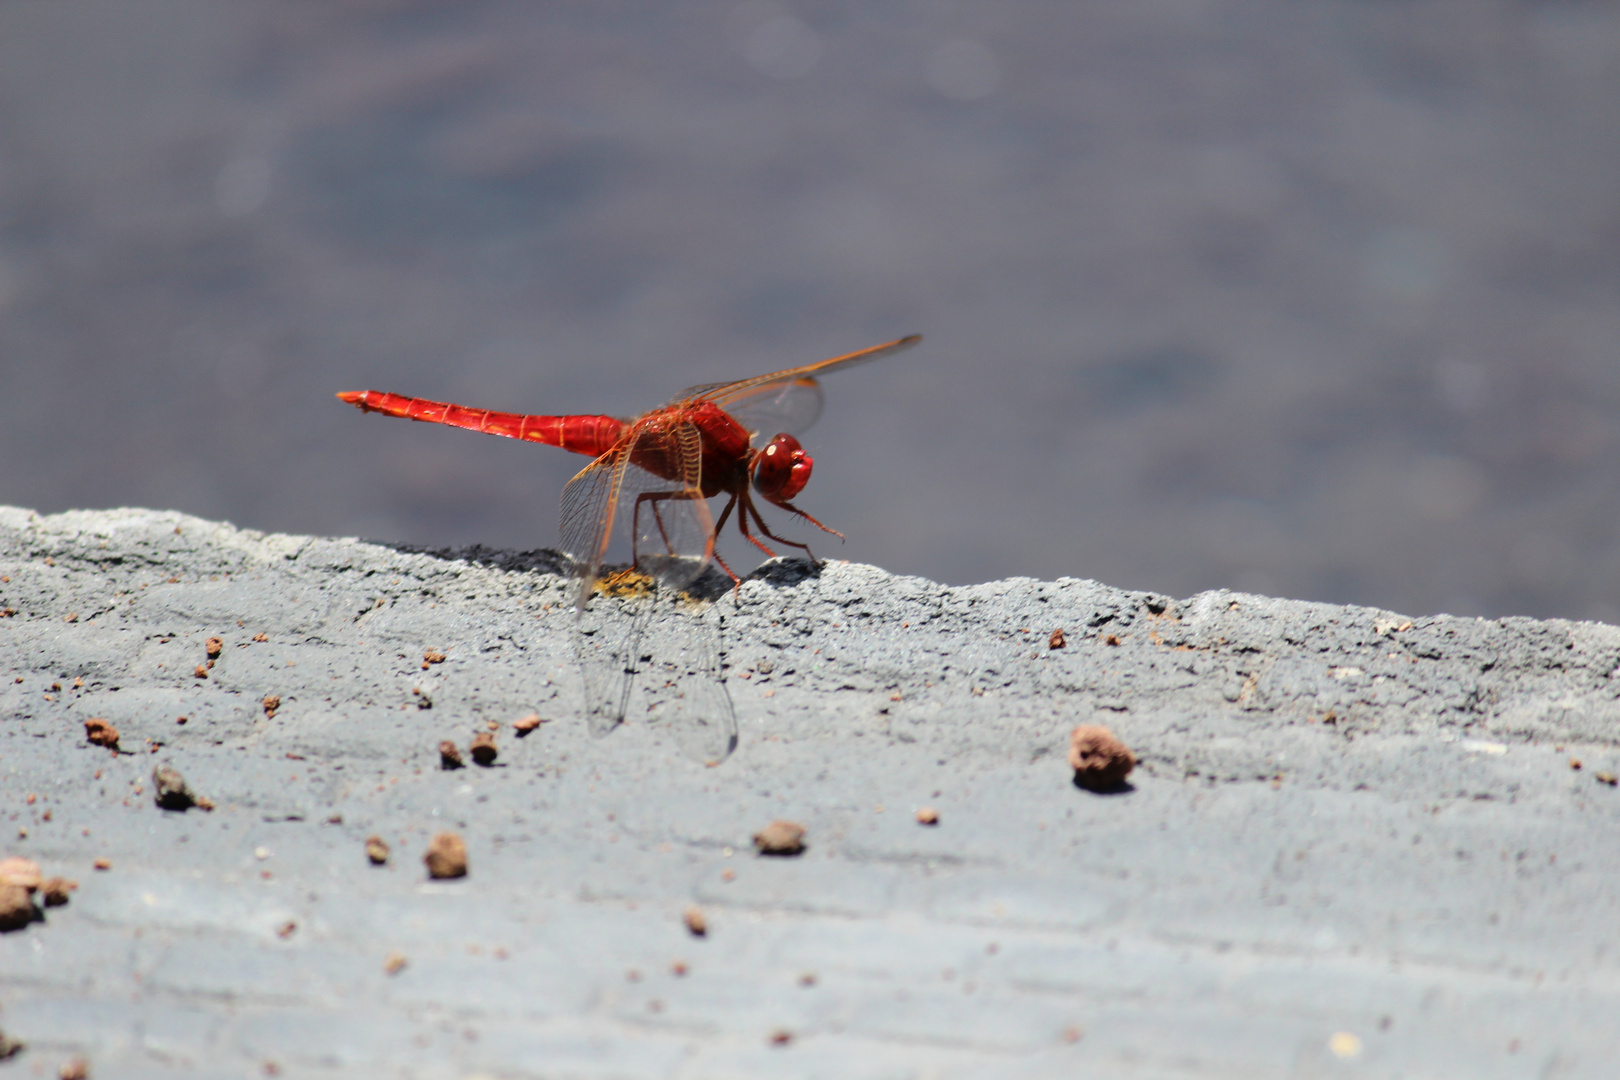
(213, 647)
(101, 733)
(376, 850)
(172, 792)
(483, 749)
(696, 924)
(927, 815)
(394, 963)
(74, 1069)
(16, 907)
(21, 872)
(446, 856)
(57, 891)
(1101, 762)
(271, 704)
(780, 838)
(449, 756)
(527, 724)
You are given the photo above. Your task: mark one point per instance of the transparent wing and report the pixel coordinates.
(672, 531)
(790, 406)
(685, 692)
(589, 510)
(725, 394)
(653, 482)
(653, 479)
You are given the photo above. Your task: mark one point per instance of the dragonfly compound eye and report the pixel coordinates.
(782, 469)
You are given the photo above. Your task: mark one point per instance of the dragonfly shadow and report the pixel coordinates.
(784, 573)
(541, 560)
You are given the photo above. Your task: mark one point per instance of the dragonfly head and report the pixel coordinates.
(782, 469)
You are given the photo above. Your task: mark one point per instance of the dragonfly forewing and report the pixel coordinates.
(672, 536)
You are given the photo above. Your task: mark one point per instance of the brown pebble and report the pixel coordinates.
(527, 724)
(21, 872)
(271, 704)
(201, 672)
(1606, 778)
(16, 907)
(173, 793)
(432, 656)
(449, 756)
(101, 733)
(446, 856)
(376, 850)
(1100, 761)
(927, 815)
(181, 719)
(57, 891)
(286, 930)
(102, 863)
(74, 1069)
(1110, 639)
(678, 969)
(696, 924)
(780, 838)
(213, 647)
(261, 637)
(10, 1047)
(1575, 763)
(1057, 640)
(394, 963)
(483, 749)
(781, 1037)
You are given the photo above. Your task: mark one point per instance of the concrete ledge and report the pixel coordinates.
(1355, 844)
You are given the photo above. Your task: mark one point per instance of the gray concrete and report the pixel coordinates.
(1311, 298)
(1420, 885)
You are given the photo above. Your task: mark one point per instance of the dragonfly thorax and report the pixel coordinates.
(782, 469)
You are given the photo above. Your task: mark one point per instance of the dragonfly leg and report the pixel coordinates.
(742, 524)
(654, 497)
(750, 508)
(720, 523)
(796, 512)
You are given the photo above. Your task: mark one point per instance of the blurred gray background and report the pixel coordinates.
(1316, 299)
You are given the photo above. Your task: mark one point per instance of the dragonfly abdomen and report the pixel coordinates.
(588, 435)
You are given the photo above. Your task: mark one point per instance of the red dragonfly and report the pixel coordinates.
(661, 468)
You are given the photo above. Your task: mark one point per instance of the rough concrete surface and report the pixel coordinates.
(1355, 844)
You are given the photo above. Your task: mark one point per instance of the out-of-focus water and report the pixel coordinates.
(1316, 299)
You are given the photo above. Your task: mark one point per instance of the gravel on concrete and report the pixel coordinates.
(1355, 842)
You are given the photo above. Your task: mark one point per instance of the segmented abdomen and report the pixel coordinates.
(589, 435)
